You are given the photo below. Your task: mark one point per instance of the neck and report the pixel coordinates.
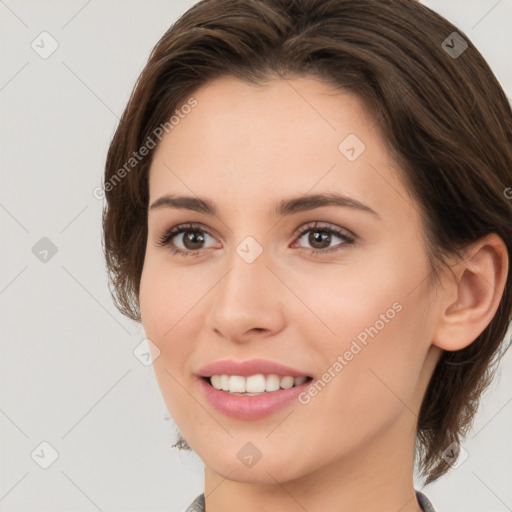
(376, 478)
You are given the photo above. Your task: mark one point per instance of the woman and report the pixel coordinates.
(308, 209)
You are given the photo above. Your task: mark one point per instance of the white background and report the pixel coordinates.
(68, 373)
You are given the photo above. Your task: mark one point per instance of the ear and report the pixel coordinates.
(472, 294)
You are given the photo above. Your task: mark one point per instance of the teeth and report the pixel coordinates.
(254, 384)
(216, 381)
(299, 380)
(224, 382)
(273, 383)
(287, 382)
(236, 384)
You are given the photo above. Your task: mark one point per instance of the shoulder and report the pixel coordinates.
(197, 505)
(424, 502)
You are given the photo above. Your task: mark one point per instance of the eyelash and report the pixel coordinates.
(166, 238)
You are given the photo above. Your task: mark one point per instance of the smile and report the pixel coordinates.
(254, 385)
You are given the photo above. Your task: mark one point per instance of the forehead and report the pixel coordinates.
(243, 143)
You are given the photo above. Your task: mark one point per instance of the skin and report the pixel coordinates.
(244, 147)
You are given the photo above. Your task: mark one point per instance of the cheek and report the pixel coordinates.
(166, 306)
(169, 298)
(380, 336)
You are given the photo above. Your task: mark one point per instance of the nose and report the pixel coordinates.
(247, 302)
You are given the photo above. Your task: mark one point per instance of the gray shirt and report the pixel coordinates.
(198, 504)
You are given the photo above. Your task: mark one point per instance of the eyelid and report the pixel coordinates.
(323, 225)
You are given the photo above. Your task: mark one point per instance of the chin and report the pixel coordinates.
(274, 465)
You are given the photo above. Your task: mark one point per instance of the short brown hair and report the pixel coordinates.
(443, 114)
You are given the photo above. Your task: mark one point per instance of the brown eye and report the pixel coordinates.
(321, 237)
(185, 239)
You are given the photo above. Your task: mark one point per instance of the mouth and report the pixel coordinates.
(252, 389)
(254, 385)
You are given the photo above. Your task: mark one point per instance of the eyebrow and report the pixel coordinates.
(283, 207)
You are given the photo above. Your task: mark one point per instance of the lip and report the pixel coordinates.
(250, 407)
(247, 368)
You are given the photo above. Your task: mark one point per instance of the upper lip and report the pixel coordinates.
(247, 368)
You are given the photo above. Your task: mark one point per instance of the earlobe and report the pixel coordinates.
(477, 282)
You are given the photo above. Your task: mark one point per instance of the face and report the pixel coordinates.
(333, 290)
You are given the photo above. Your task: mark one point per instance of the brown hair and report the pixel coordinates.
(437, 102)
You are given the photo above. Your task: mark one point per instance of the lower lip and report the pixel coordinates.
(250, 407)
